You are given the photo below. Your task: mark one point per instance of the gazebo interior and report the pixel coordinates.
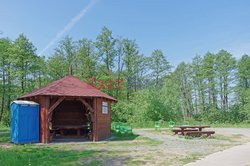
(71, 119)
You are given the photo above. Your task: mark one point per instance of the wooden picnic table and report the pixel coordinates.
(185, 127)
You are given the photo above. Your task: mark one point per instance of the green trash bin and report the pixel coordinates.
(122, 128)
(157, 125)
(171, 124)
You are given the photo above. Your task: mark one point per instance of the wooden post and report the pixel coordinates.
(52, 108)
(95, 134)
(110, 114)
(86, 105)
(44, 126)
(70, 70)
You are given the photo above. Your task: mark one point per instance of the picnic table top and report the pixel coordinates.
(192, 126)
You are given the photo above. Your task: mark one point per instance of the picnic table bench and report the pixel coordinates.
(192, 130)
(78, 128)
(192, 133)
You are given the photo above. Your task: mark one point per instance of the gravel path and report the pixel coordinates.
(233, 131)
(182, 145)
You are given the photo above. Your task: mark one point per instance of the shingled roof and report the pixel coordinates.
(68, 86)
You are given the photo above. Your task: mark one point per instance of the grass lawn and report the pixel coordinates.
(227, 125)
(30, 155)
(34, 155)
(191, 158)
(86, 154)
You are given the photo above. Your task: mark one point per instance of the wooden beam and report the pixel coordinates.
(51, 109)
(44, 130)
(87, 105)
(94, 130)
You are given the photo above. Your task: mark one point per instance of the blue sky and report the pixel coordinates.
(181, 28)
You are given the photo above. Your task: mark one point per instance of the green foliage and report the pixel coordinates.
(57, 66)
(106, 48)
(214, 88)
(4, 128)
(149, 105)
(159, 64)
(218, 116)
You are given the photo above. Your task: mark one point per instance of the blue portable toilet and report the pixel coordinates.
(24, 122)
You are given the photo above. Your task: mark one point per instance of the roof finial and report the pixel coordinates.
(70, 70)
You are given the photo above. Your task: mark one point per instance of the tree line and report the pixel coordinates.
(214, 87)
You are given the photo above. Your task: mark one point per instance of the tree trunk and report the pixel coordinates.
(3, 95)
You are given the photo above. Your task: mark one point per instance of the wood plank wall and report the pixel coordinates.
(103, 121)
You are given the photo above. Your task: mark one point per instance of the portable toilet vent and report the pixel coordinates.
(24, 122)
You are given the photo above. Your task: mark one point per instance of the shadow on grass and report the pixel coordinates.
(124, 137)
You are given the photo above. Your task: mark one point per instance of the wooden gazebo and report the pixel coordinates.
(71, 104)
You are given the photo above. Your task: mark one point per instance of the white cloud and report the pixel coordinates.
(69, 26)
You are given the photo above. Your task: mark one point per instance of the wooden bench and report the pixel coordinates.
(195, 133)
(176, 131)
(78, 128)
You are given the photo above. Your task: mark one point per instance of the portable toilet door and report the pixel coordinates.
(24, 122)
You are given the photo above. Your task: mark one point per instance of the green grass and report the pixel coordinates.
(124, 137)
(4, 138)
(232, 138)
(139, 140)
(131, 139)
(162, 131)
(135, 162)
(221, 137)
(30, 155)
(191, 158)
(227, 125)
